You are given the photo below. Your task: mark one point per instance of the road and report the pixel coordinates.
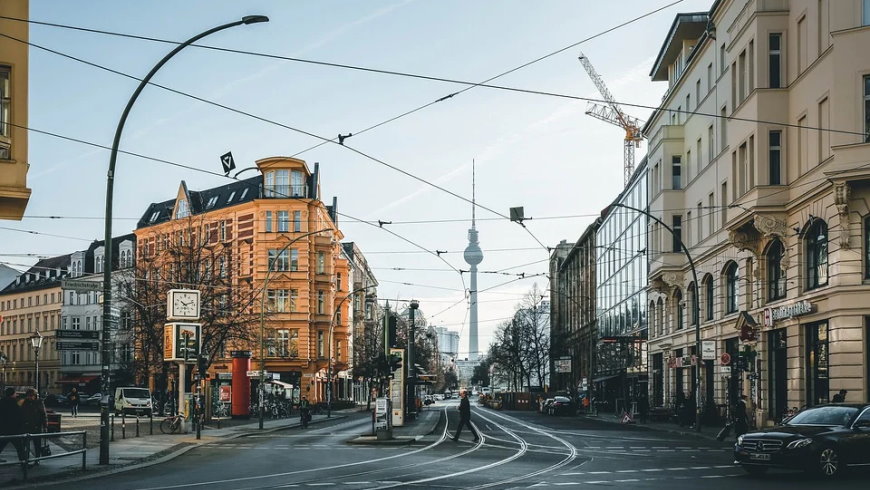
(518, 450)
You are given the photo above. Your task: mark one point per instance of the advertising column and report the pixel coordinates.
(397, 389)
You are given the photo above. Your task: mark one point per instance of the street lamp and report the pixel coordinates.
(107, 269)
(4, 360)
(36, 342)
(262, 387)
(331, 329)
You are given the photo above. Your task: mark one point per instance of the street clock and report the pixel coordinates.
(182, 304)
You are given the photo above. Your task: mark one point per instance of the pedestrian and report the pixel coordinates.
(679, 406)
(689, 409)
(741, 420)
(465, 417)
(33, 412)
(304, 412)
(11, 423)
(74, 402)
(839, 397)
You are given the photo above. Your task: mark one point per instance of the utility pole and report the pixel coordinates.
(412, 371)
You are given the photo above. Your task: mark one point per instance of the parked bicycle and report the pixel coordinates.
(221, 410)
(172, 424)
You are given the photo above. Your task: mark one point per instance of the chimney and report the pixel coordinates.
(334, 210)
(315, 182)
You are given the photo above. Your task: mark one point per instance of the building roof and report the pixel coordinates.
(685, 26)
(46, 273)
(204, 201)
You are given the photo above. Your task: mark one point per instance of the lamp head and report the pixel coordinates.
(254, 19)
(414, 304)
(36, 340)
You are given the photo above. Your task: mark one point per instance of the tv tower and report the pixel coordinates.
(473, 256)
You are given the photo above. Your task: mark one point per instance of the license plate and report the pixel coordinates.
(759, 457)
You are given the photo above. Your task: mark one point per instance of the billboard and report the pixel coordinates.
(397, 389)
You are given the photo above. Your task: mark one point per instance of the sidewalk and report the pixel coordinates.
(707, 432)
(425, 423)
(133, 452)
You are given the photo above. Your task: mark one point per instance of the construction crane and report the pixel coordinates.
(612, 113)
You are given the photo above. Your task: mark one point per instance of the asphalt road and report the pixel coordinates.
(518, 450)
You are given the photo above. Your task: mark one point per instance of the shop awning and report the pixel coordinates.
(280, 383)
(76, 380)
(604, 378)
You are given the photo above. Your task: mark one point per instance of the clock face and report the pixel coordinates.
(185, 304)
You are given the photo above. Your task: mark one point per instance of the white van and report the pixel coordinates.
(133, 400)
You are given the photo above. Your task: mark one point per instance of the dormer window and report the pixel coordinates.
(232, 195)
(154, 216)
(182, 210)
(277, 183)
(211, 202)
(98, 263)
(244, 193)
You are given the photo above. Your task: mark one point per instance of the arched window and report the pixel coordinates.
(817, 254)
(731, 279)
(708, 297)
(775, 275)
(678, 310)
(690, 305)
(653, 327)
(660, 316)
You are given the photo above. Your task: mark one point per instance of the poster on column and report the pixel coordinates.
(397, 390)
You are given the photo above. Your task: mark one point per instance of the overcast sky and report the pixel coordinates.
(536, 151)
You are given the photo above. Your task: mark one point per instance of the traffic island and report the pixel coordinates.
(425, 423)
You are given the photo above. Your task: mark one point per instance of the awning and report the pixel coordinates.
(604, 378)
(76, 380)
(280, 383)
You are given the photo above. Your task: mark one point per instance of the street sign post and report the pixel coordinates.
(61, 335)
(78, 346)
(708, 350)
(78, 285)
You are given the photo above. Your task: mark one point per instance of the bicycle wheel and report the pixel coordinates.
(166, 426)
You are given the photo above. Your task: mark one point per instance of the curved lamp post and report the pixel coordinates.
(331, 343)
(36, 342)
(696, 312)
(107, 269)
(262, 387)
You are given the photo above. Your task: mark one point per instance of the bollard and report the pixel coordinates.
(151, 422)
(137, 425)
(85, 452)
(123, 425)
(26, 456)
(112, 428)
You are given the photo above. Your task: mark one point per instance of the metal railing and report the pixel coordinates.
(24, 443)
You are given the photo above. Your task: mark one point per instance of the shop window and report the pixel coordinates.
(818, 380)
(817, 254)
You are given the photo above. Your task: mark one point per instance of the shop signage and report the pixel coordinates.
(708, 350)
(225, 375)
(787, 311)
(562, 365)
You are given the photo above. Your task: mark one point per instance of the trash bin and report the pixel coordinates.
(53, 421)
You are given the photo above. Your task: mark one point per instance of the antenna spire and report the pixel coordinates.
(473, 189)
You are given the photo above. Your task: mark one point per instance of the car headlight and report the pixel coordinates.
(799, 443)
(739, 440)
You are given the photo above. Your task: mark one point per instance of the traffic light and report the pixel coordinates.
(392, 326)
(395, 362)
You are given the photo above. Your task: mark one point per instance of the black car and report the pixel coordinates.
(823, 440)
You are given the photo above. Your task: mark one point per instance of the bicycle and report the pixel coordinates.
(221, 410)
(172, 424)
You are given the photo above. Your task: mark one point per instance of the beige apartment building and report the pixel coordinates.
(759, 159)
(14, 193)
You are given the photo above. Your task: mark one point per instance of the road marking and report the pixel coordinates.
(627, 480)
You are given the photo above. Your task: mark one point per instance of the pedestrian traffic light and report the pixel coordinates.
(395, 362)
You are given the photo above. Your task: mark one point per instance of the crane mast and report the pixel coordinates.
(612, 113)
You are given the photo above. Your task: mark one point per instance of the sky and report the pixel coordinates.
(540, 152)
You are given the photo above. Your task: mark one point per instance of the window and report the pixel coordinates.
(697, 93)
(865, 18)
(689, 229)
(801, 44)
(294, 297)
(677, 227)
(866, 107)
(268, 221)
(321, 262)
(232, 195)
(285, 343)
(297, 221)
(708, 298)
(711, 212)
(711, 147)
(338, 281)
(182, 211)
(688, 102)
(741, 82)
(5, 105)
(321, 296)
(731, 288)
(722, 63)
(277, 183)
(775, 276)
(298, 183)
(678, 310)
(817, 364)
(700, 226)
(775, 157)
(294, 259)
(774, 42)
(688, 165)
(320, 345)
(867, 248)
(278, 300)
(817, 254)
(76, 323)
(710, 77)
(676, 172)
(723, 132)
(751, 81)
(802, 144)
(824, 136)
(283, 221)
(222, 231)
(278, 261)
(698, 154)
(690, 306)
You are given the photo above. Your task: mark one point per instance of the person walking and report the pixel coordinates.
(74, 402)
(741, 420)
(11, 423)
(465, 417)
(33, 412)
(304, 412)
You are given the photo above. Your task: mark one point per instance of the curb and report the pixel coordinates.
(154, 459)
(367, 440)
(692, 433)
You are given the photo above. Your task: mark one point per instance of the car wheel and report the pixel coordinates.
(755, 470)
(828, 463)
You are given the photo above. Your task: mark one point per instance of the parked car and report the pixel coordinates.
(559, 405)
(439, 396)
(91, 400)
(823, 440)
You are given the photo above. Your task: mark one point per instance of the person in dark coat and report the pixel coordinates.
(465, 417)
(840, 397)
(11, 422)
(33, 412)
(74, 402)
(679, 407)
(741, 420)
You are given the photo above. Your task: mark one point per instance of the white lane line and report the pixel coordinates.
(565, 484)
(626, 480)
(652, 469)
(626, 471)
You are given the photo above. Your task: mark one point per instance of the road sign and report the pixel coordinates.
(227, 161)
(708, 350)
(78, 346)
(81, 285)
(77, 334)
(725, 359)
